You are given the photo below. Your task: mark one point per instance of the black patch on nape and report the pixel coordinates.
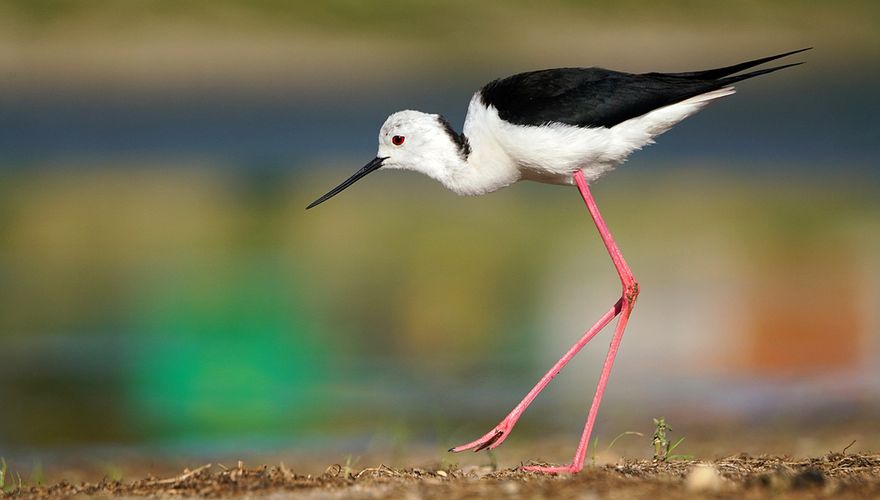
(460, 140)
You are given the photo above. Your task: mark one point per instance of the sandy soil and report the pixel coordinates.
(836, 475)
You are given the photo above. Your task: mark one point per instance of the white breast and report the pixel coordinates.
(553, 152)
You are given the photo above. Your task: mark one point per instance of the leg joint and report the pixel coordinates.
(631, 291)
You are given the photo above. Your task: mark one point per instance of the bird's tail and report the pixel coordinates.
(721, 73)
(738, 78)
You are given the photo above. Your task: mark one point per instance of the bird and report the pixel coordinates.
(565, 126)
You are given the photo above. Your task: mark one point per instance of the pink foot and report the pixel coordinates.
(559, 469)
(491, 439)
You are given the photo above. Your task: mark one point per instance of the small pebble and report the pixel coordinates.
(510, 487)
(808, 478)
(704, 478)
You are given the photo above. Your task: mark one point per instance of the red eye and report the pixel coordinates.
(397, 140)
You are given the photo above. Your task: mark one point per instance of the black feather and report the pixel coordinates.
(596, 97)
(713, 74)
(738, 78)
(460, 140)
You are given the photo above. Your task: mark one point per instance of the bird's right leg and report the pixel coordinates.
(496, 436)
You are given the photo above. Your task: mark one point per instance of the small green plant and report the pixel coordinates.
(446, 464)
(112, 471)
(6, 473)
(595, 447)
(401, 437)
(493, 460)
(627, 433)
(348, 468)
(596, 443)
(663, 448)
(37, 477)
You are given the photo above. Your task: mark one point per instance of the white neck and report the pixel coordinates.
(480, 165)
(475, 175)
(488, 166)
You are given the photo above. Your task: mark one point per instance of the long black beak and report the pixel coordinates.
(374, 164)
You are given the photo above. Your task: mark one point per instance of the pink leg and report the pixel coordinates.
(496, 436)
(630, 293)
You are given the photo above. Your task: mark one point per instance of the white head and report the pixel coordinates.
(412, 140)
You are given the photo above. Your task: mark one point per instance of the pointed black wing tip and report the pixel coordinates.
(726, 72)
(776, 68)
(793, 52)
(797, 51)
(786, 54)
(730, 80)
(771, 69)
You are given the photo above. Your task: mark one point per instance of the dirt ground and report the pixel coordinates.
(836, 475)
(785, 458)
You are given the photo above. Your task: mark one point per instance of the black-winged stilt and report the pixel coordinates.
(558, 126)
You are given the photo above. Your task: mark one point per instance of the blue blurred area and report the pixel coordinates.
(807, 117)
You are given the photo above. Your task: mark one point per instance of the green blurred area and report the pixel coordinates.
(397, 16)
(266, 40)
(189, 305)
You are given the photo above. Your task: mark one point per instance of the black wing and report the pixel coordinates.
(596, 97)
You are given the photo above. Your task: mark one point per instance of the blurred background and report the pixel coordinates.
(163, 288)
